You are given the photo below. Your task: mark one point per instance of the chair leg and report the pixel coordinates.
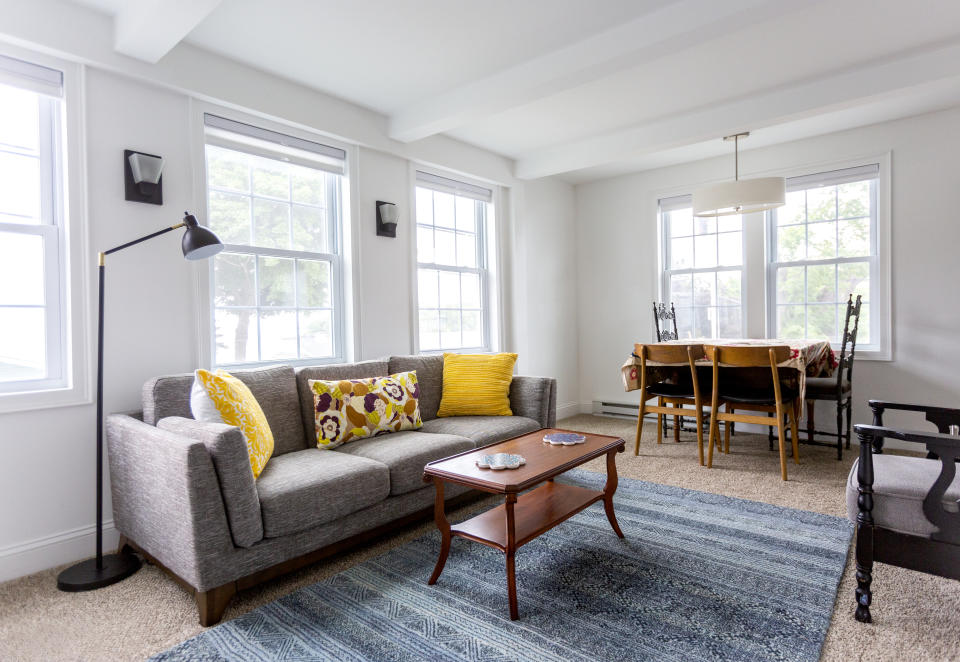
(783, 450)
(770, 436)
(726, 431)
(676, 423)
(636, 447)
(839, 431)
(714, 430)
(700, 434)
(794, 429)
(811, 425)
(849, 408)
(660, 418)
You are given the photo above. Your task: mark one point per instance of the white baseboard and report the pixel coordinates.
(567, 409)
(50, 551)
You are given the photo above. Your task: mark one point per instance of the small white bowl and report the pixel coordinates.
(500, 461)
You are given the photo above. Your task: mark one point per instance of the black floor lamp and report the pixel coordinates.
(198, 243)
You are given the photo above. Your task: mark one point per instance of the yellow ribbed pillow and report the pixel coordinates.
(237, 406)
(476, 384)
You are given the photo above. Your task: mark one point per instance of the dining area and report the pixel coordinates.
(719, 382)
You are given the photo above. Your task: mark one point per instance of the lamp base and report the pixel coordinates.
(85, 576)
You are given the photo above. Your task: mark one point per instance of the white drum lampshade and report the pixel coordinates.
(740, 196)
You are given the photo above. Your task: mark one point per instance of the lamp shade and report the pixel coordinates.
(389, 212)
(145, 168)
(740, 196)
(198, 242)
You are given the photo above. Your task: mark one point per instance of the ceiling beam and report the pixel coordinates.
(669, 29)
(149, 29)
(842, 89)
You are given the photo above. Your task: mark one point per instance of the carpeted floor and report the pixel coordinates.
(916, 616)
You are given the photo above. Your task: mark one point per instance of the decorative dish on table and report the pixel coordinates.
(499, 461)
(564, 438)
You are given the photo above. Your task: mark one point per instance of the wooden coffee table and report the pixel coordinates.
(522, 517)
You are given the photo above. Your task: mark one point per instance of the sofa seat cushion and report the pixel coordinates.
(482, 430)
(303, 489)
(900, 484)
(405, 454)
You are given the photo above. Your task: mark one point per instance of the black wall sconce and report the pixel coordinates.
(142, 177)
(387, 215)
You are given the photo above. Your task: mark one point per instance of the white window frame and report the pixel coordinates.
(664, 259)
(63, 228)
(337, 218)
(487, 262)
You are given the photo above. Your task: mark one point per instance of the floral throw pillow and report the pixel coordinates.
(349, 409)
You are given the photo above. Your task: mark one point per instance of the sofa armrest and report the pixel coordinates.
(231, 459)
(166, 498)
(536, 398)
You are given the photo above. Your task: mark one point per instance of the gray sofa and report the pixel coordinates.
(184, 495)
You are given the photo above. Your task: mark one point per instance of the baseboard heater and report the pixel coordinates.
(609, 408)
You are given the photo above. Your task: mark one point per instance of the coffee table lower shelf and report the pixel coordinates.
(535, 513)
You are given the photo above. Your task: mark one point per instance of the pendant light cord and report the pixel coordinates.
(736, 158)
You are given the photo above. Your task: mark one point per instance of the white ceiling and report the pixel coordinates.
(586, 89)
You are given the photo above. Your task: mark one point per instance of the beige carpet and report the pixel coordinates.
(916, 616)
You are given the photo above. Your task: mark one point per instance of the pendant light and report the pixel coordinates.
(740, 196)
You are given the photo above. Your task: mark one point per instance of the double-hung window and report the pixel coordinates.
(823, 248)
(702, 270)
(34, 348)
(454, 264)
(275, 202)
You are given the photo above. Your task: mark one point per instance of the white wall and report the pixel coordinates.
(617, 239)
(152, 321)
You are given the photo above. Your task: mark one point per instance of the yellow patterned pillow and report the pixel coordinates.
(237, 406)
(476, 384)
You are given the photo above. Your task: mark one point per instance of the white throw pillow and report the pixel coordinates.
(201, 404)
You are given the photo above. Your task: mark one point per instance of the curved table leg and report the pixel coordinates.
(441, 519)
(511, 550)
(609, 489)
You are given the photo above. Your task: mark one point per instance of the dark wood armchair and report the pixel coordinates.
(905, 508)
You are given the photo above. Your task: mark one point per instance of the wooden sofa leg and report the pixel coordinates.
(211, 604)
(123, 545)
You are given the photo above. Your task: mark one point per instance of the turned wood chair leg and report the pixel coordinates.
(211, 604)
(676, 423)
(849, 411)
(811, 426)
(839, 430)
(726, 430)
(660, 418)
(794, 412)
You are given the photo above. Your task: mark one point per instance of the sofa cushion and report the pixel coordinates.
(430, 377)
(482, 430)
(360, 370)
(405, 454)
(899, 486)
(306, 488)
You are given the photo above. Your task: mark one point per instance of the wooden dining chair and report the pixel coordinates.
(777, 398)
(683, 392)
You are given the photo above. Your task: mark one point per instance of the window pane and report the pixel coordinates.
(316, 335)
(704, 225)
(445, 251)
(705, 251)
(228, 169)
(791, 285)
(854, 237)
(425, 245)
(429, 329)
(450, 329)
(310, 232)
(472, 335)
(278, 334)
(271, 224)
(308, 185)
(791, 243)
(728, 288)
(821, 241)
(22, 344)
(466, 215)
(730, 248)
(21, 118)
(729, 322)
(822, 283)
(821, 203)
(794, 211)
(681, 290)
(230, 217)
(822, 322)
(684, 322)
(21, 269)
(705, 289)
(732, 223)
(853, 278)
(270, 178)
(276, 282)
(235, 280)
(466, 250)
(313, 285)
(854, 199)
(791, 322)
(427, 288)
(449, 289)
(443, 214)
(681, 222)
(863, 330)
(236, 335)
(424, 206)
(470, 291)
(704, 322)
(20, 186)
(681, 253)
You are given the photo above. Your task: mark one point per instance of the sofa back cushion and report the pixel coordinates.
(274, 387)
(429, 376)
(361, 370)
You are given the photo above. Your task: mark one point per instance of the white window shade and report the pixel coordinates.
(29, 76)
(668, 205)
(272, 144)
(452, 186)
(833, 177)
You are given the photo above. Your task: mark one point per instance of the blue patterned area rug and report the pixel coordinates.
(698, 577)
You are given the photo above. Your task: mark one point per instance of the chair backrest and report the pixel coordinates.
(664, 316)
(672, 353)
(850, 327)
(747, 356)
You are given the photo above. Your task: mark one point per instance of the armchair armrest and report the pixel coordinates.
(166, 498)
(536, 398)
(231, 460)
(942, 417)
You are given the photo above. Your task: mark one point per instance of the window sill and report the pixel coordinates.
(48, 399)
